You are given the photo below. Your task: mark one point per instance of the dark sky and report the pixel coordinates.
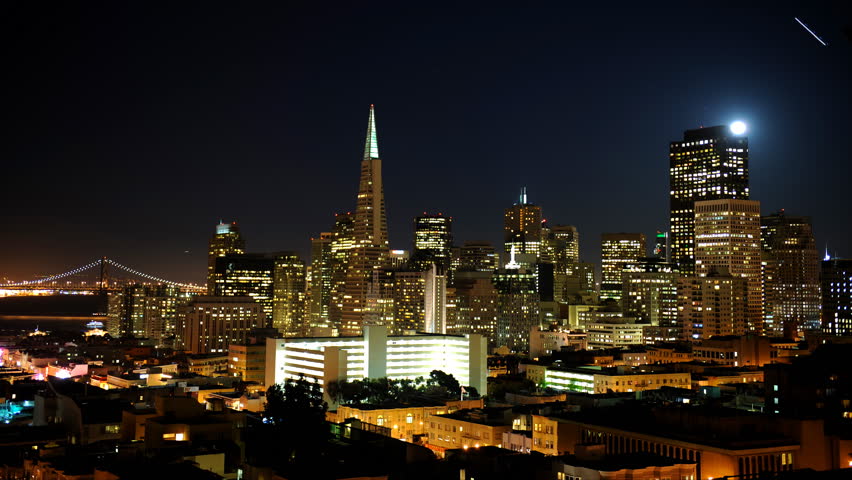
(132, 128)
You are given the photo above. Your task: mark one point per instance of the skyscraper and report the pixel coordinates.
(791, 279)
(477, 256)
(618, 250)
(342, 243)
(212, 324)
(472, 305)
(289, 300)
(226, 241)
(247, 275)
(650, 294)
(566, 241)
(370, 235)
(435, 301)
(522, 227)
(433, 239)
(321, 280)
(518, 304)
(708, 164)
(712, 305)
(836, 281)
(727, 236)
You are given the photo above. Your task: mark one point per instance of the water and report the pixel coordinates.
(18, 323)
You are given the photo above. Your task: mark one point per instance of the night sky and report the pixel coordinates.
(132, 128)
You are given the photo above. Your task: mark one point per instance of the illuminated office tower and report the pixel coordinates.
(727, 236)
(517, 307)
(408, 301)
(161, 304)
(708, 164)
(578, 284)
(211, 324)
(472, 306)
(791, 274)
(836, 282)
(562, 246)
(342, 243)
(133, 311)
(478, 257)
(247, 275)
(433, 239)
(321, 280)
(289, 300)
(567, 245)
(370, 233)
(396, 299)
(617, 251)
(379, 302)
(712, 305)
(435, 301)
(522, 227)
(226, 241)
(650, 294)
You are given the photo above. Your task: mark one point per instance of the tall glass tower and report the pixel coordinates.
(708, 164)
(226, 241)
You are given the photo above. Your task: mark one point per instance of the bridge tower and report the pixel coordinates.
(104, 280)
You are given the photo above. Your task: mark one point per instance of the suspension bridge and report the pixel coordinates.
(101, 276)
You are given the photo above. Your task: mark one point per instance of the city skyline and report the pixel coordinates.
(161, 217)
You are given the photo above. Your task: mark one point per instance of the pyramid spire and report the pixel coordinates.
(371, 147)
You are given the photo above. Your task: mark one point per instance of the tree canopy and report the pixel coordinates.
(381, 391)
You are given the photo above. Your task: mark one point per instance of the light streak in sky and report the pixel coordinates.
(811, 32)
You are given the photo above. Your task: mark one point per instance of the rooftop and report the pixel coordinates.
(613, 463)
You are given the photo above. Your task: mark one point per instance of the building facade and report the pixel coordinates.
(212, 324)
(377, 355)
(791, 274)
(433, 241)
(836, 281)
(727, 237)
(290, 295)
(618, 250)
(650, 294)
(522, 227)
(708, 164)
(712, 305)
(321, 281)
(251, 275)
(226, 241)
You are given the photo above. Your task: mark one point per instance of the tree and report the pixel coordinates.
(296, 434)
(446, 381)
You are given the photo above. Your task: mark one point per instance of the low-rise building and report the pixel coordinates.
(719, 441)
(518, 441)
(248, 362)
(545, 341)
(209, 364)
(602, 335)
(592, 463)
(404, 421)
(592, 379)
(743, 350)
(468, 429)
